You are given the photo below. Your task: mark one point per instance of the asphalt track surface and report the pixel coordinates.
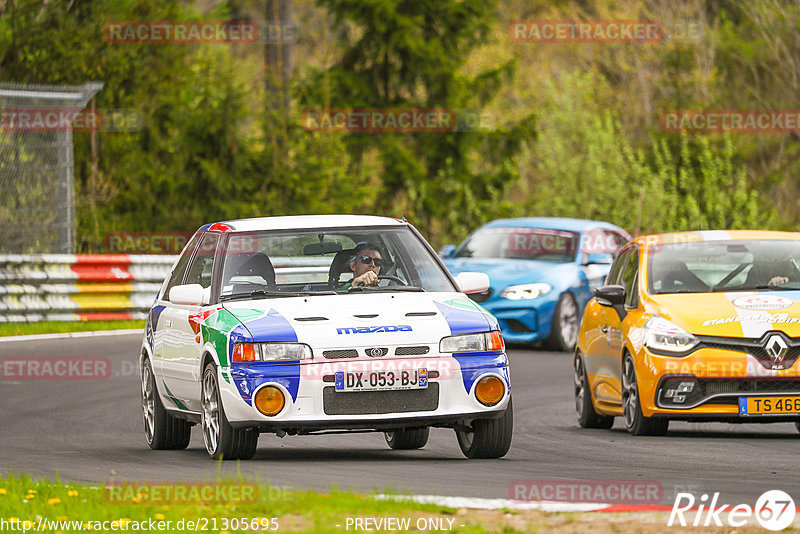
(91, 431)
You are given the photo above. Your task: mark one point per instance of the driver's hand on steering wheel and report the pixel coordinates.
(369, 278)
(778, 280)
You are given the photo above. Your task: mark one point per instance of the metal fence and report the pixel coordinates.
(37, 192)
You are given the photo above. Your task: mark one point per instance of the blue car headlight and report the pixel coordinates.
(526, 291)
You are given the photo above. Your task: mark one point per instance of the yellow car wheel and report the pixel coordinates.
(636, 423)
(587, 416)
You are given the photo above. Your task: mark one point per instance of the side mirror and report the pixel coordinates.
(447, 251)
(610, 295)
(472, 282)
(596, 258)
(188, 294)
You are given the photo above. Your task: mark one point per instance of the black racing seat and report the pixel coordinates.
(675, 276)
(339, 266)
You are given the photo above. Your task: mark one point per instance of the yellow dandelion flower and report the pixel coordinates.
(2, 491)
(72, 493)
(32, 491)
(61, 518)
(165, 508)
(54, 500)
(136, 500)
(159, 516)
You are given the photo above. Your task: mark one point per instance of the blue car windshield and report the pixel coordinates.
(521, 243)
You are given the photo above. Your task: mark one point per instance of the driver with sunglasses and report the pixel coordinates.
(366, 264)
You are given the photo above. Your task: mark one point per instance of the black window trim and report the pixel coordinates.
(200, 236)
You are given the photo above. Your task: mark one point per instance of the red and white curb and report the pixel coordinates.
(496, 504)
(543, 506)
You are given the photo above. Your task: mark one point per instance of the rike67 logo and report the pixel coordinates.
(774, 510)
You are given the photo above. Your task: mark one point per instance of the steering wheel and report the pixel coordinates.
(391, 278)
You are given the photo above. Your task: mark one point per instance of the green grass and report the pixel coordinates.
(52, 327)
(24, 499)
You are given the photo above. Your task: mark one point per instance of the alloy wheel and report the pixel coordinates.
(210, 412)
(630, 395)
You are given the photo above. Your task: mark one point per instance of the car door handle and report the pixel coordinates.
(604, 329)
(169, 323)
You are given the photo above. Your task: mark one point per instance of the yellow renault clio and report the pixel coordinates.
(694, 326)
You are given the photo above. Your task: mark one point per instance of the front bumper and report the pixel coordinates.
(313, 404)
(709, 383)
(524, 321)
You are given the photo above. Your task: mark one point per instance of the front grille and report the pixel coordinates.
(723, 391)
(756, 348)
(412, 351)
(483, 296)
(380, 402)
(342, 353)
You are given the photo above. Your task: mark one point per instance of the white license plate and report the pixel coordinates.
(381, 380)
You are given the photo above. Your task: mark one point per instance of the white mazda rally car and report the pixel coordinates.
(260, 328)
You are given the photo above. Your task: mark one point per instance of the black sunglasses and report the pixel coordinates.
(366, 260)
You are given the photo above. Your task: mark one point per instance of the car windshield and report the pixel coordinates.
(736, 265)
(301, 262)
(521, 243)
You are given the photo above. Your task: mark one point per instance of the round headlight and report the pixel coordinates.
(490, 390)
(270, 400)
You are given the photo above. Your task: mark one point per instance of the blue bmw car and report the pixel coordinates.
(542, 271)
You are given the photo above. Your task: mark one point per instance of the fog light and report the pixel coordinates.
(679, 399)
(685, 387)
(270, 400)
(490, 390)
(669, 394)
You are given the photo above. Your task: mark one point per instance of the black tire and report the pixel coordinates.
(490, 438)
(161, 430)
(636, 423)
(221, 439)
(565, 324)
(584, 407)
(407, 438)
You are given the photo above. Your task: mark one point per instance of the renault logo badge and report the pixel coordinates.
(776, 348)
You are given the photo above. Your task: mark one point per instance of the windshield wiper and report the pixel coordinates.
(354, 289)
(261, 293)
(759, 287)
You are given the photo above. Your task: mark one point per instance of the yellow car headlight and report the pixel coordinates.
(663, 335)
